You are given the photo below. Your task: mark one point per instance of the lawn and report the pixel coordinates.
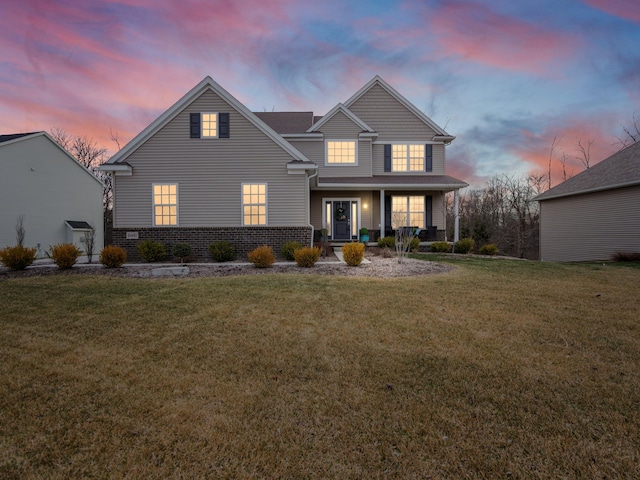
(498, 369)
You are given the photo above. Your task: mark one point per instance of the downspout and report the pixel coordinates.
(309, 177)
(456, 224)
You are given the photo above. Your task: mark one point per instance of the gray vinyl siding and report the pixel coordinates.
(378, 161)
(340, 127)
(389, 118)
(591, 226)
(41, 182)
(315, 152)
(209, 174)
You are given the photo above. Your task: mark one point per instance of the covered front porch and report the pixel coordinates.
(345, 206)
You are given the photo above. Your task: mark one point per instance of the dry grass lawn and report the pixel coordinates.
(499, 369)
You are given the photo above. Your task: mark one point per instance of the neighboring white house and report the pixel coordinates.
(596, 213)
(58, 198)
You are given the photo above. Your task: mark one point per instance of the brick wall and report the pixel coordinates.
(244, 239)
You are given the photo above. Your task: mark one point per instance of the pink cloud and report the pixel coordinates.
(627, 9)
(475, 32)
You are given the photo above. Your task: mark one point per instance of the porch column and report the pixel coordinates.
(456, 223)
(382, 225)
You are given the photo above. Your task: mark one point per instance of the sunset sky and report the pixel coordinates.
(504, 76)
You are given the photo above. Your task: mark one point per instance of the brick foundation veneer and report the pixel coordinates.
(244, 239)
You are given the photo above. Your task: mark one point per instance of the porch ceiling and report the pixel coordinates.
(443, 183)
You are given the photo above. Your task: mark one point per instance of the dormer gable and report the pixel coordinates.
(340, 109)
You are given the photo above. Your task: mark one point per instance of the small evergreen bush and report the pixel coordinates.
(222, 251)
(387, 242)
(353, 253)
(306, 256)
(64, 255)
(464, 246)
(441, 247)
(151, 251)
(182, 251)
(113, 257)
(414, 245)
(288, 250)
(18, 257)
(488, 249)
(262, 257)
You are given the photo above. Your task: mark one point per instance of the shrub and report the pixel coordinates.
(306, 256)
(464, 246)
(387, 242)
(18, 257)
(625, 257)
(151, 251)
(222, 251)
(262, 257)
(288, 250)
(488, 249)
(415, 244)
(353, 253)
(64, 255)
(440, 247)
(113, 257)
(182, 250)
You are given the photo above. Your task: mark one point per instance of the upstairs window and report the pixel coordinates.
(341, 152)
(254, 204)
(209, 125)
(411, 157)
(165, 204)
(407, 158)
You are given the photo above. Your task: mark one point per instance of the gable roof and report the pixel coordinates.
(287, 122)
(377, 80)
(206, 84)
(340, 108)
(14, 136)
(19, 137)
(622, 169)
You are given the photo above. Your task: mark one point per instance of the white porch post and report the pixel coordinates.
(456, 223)
(382, 225)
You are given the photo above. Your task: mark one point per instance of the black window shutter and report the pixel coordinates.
(428, 208)
(428, 160)
(223, 125)
(387, 215)
(195, 125)
(387, 158)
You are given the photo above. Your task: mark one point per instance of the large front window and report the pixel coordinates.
(165, 204)
(341, 153)
(407, 211)
(407, 158)
(254, 204)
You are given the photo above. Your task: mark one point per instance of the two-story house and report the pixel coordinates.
(208, 169)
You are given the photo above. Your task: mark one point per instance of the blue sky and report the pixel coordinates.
(505, 77)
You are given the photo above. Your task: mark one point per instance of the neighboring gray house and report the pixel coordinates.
(59, 198)
(209, 169)
(596, 213)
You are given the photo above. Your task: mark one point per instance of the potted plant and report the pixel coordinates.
(364, 235)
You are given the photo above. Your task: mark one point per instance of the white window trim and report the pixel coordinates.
(202, 136)
(326, 153)
(153, 204)
(266, 203)
(407, 144)
(358, 200)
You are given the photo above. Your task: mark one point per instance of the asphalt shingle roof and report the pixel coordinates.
(287, 122)
(619, 170)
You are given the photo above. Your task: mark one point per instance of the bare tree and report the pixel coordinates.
(585, 153)
(89, 240)
(632, 132)
(20, 231)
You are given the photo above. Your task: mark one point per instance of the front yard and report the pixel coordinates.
(500, 368)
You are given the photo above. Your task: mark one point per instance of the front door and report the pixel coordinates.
(342, 220)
